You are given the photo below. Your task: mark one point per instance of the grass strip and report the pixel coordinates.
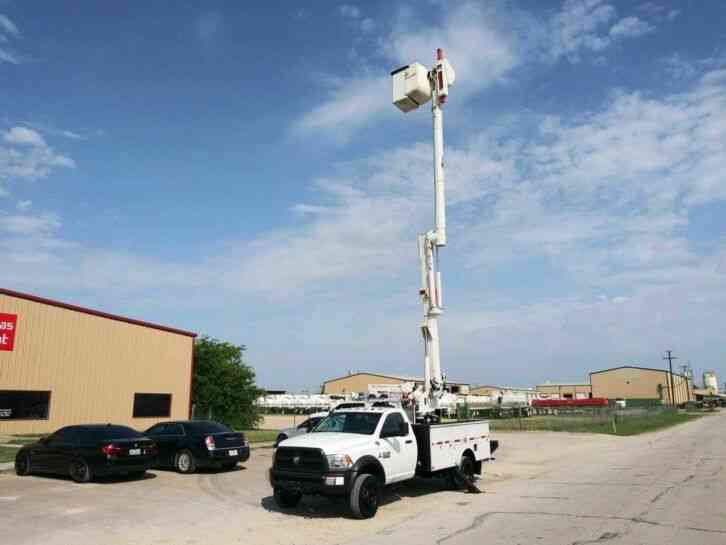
(627, 425)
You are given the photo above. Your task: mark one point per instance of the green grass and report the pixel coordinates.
(261, 436)
(631, 425)
(7, 454)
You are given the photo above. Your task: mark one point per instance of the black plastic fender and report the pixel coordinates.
(363, 464)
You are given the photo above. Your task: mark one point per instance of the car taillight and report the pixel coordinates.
(209, 440)
(111, 450)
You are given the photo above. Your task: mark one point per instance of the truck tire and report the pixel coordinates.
(458, 476)
(286, 498)
(365, 496)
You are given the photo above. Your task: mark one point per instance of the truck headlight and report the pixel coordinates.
(339, 461)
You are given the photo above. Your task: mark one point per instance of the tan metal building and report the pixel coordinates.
(61, 364)
(564, 390)
(357, 383)
(632, 382)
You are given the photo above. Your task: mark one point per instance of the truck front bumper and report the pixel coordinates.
(330, 483)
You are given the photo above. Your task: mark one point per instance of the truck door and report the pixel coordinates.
(397, 446)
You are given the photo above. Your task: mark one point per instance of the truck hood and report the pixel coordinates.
(330, 442)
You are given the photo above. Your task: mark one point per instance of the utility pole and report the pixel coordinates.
(670, 357)
(685, 367)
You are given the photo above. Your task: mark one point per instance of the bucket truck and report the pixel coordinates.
(355, 453)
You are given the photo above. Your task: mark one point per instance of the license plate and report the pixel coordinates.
(134, 452)
(233, 453)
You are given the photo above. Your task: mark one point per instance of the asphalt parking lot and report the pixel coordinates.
(666, 487)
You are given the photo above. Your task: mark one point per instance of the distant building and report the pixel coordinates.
(636, 383)
(564, 390)
(358, 383)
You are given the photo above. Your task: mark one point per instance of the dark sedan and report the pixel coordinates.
(87, 451)
(191, 444)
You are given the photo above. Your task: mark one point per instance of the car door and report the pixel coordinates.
(59, 451)
(398, 451)
(163, 436)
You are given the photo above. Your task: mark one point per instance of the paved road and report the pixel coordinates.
(549, 488)
(664, 488)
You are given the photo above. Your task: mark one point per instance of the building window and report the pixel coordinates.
(567, 396)
(24, 405)
(148, 405)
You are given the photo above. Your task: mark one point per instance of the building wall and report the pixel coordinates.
(92, 366)
(564, 391)
(635, 383)
(357, 383)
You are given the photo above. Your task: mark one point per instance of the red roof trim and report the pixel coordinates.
(92, 312)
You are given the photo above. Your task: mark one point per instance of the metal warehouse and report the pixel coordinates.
(61, 364)
(360, 383)
(630, 382)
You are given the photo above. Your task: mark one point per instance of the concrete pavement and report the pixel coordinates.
(662, 488)
(549, 488)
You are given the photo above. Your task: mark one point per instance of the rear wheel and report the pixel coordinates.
(365, 496)
(184, 462)
(80, 471)
(465, 471)
(287, 498)
(22, 464)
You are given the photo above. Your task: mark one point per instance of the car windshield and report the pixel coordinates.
(209, 427)
(353, 422)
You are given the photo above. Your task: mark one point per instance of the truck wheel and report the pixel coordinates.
(364, 496)
(286, 498)
(457, 476)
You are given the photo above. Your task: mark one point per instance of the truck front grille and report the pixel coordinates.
(307, 460)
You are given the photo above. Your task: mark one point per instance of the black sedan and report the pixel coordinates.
(190, 444)
(88, 451)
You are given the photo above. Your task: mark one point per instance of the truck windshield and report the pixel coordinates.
(363, 423)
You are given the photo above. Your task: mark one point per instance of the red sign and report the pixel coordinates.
(8, 325)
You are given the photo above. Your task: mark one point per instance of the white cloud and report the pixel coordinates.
(23, 206)
(349, 11)
(481, 53)
(8, 31)
(630, 27)
(28, 225)
(580, 26)
(23, 135)
(8, 27)
(26, 156)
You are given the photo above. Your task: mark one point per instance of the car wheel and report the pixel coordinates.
(22, 464)
(365, 496)
(184, 462)
(287, 498)
(80, 471)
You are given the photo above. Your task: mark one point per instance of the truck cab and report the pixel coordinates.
(355, 453)
(359, 448)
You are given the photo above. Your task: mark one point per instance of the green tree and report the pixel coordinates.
(224, 386)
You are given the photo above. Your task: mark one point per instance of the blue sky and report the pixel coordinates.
(238, 170)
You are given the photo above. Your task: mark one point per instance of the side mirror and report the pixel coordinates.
(43, 440)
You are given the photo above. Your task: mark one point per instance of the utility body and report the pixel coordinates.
(355, 453)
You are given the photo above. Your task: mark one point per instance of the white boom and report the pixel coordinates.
(410, 90)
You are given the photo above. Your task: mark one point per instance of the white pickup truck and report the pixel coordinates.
(357, 452)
